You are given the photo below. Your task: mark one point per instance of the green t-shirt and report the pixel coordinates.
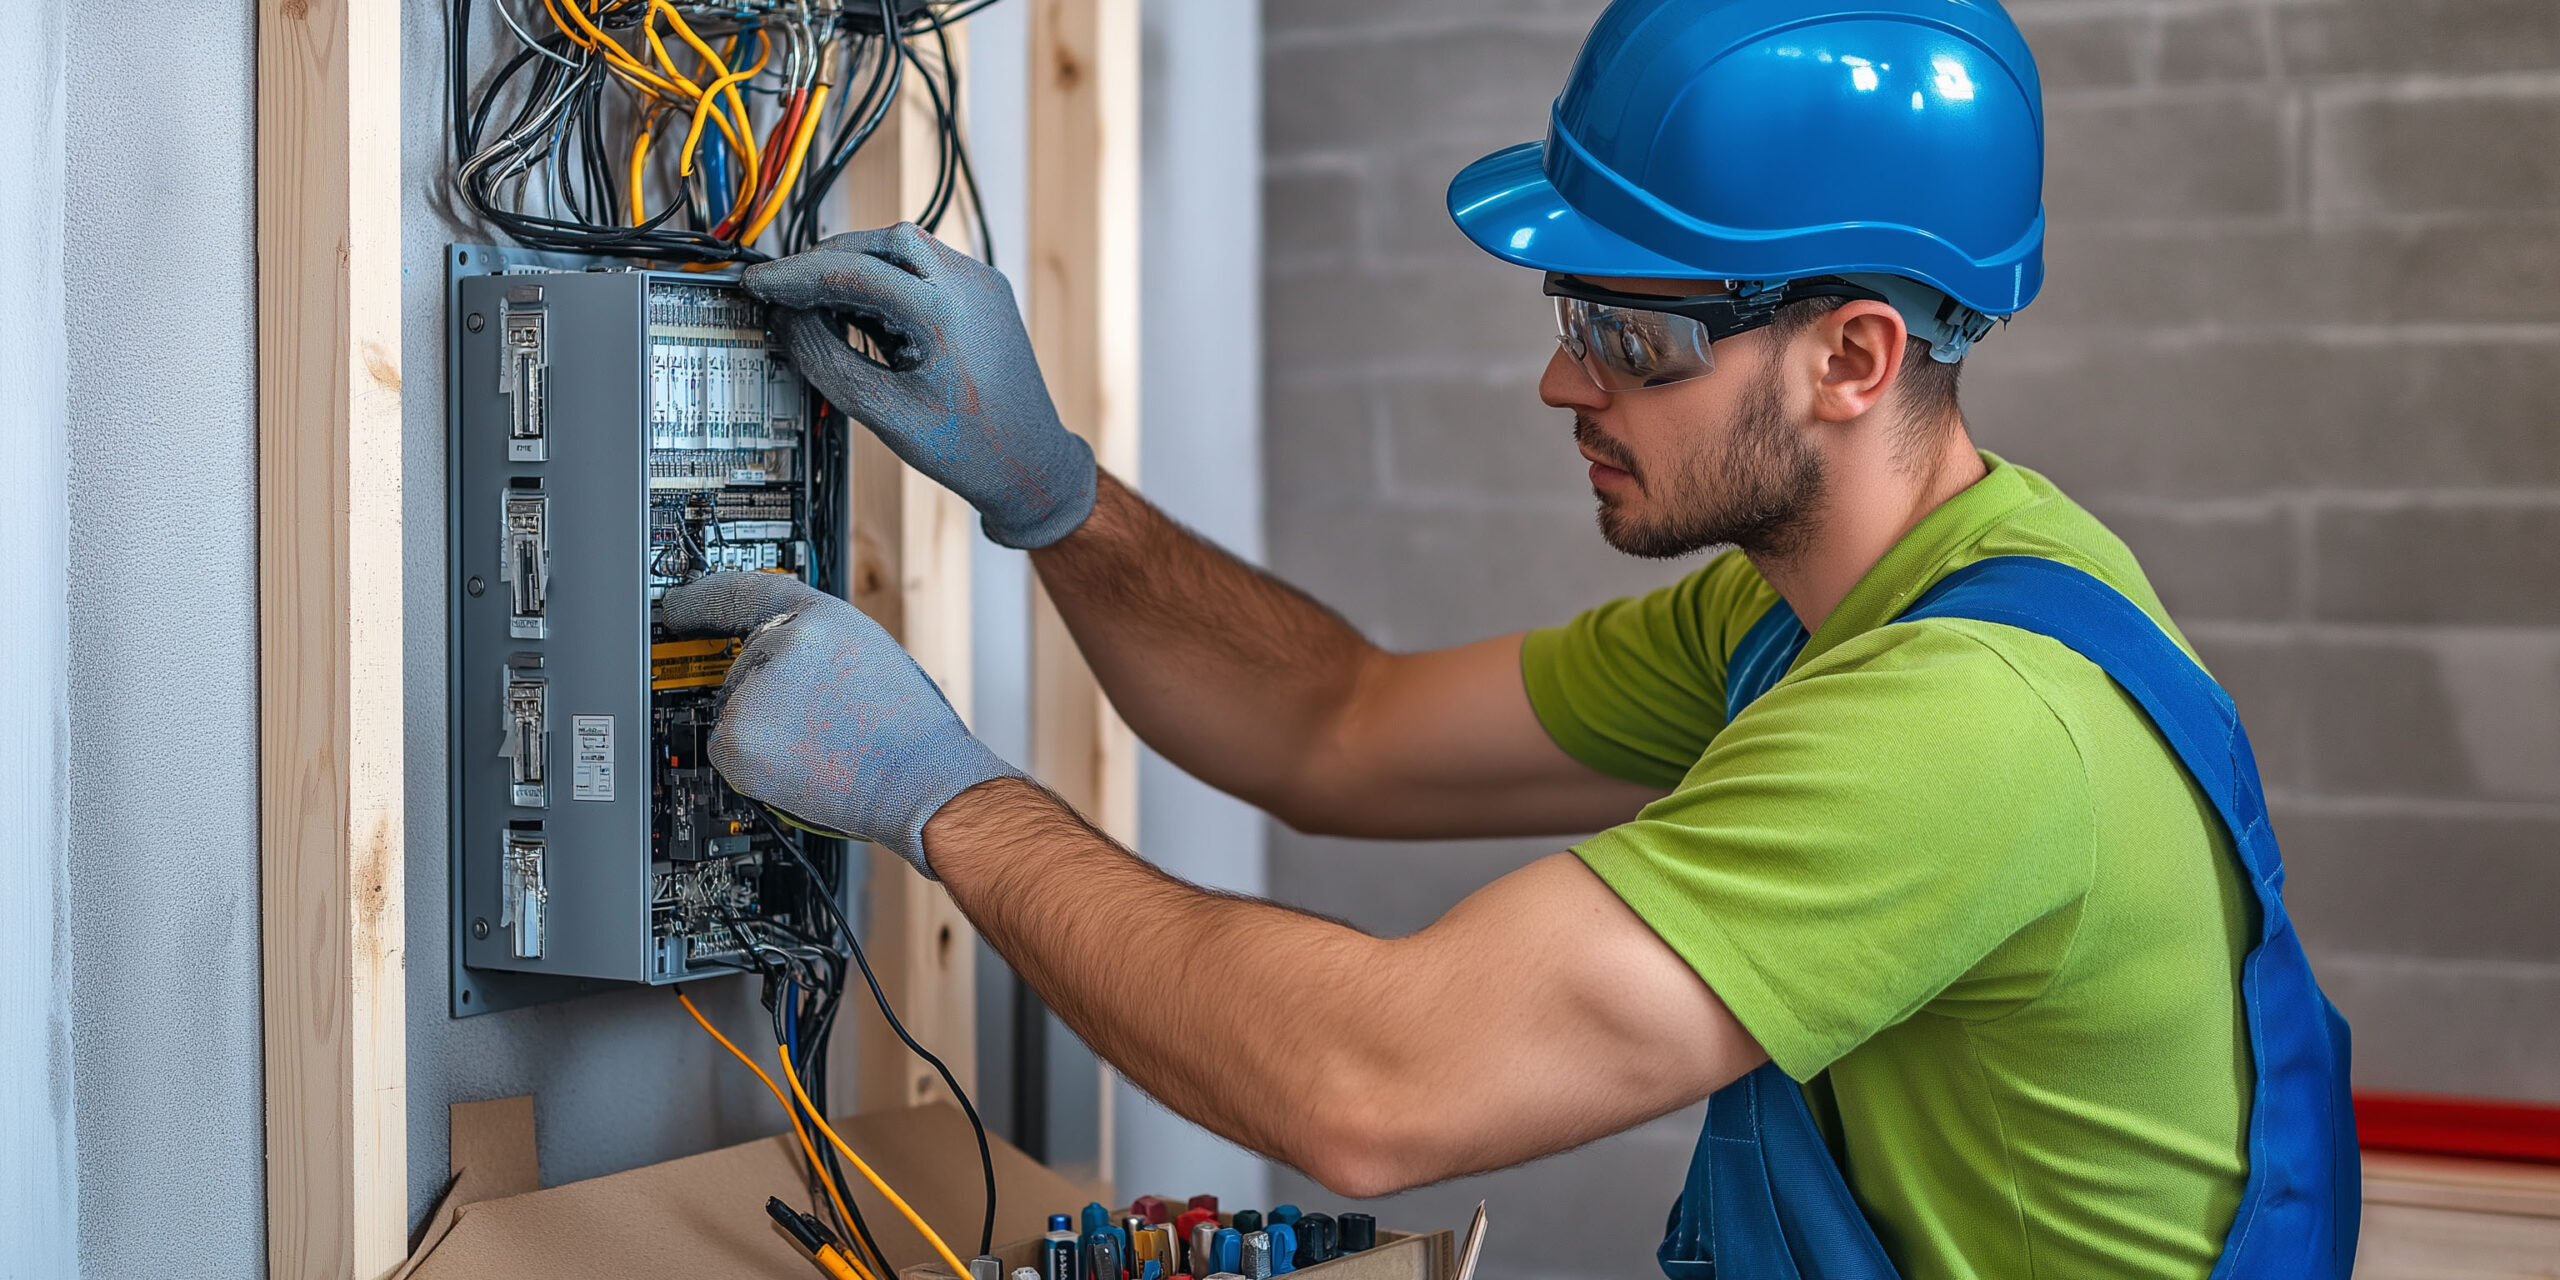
(1949, 875)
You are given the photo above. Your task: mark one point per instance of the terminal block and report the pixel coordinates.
(527, 739)
(524, 374)
(526, 562)
(524, 891)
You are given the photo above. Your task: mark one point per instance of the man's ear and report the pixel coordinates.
(1862, 345)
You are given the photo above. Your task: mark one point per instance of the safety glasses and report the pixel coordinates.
(1629, 341)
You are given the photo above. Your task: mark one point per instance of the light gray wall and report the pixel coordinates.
(160, 291)
(39, 1169)
(1200, 445)
(2298, 347)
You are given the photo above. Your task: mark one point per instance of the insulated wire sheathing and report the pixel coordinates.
(897, 1201)
(807, 1147)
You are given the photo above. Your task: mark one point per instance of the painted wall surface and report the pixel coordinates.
(158, 274)
(39, 1169)
(2297, 347)
(1200, 459)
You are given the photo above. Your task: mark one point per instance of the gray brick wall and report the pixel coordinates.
(2298, 346)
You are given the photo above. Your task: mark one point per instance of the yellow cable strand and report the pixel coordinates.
(949, 1258)
(791, 167)
(591, 37)
(639, 167)
(743, 139)
(815, 1166)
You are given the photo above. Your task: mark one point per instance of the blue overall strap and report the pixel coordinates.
(1763, 1194)
(2300, 1207)
(1764, 1199)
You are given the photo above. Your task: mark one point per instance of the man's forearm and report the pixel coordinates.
(1536, 1015)
(1244, 1016)
(1229, 672)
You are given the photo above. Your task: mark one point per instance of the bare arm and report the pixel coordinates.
(1537, 1015)
(1266, 694)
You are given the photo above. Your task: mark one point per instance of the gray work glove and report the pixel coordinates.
(824, 717)
(959, 397)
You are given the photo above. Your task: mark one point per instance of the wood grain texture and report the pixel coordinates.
(910, 558)
(330, 728)
(1084, 325)
(2441, 1218)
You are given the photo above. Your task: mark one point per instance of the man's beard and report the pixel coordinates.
(1758, 492)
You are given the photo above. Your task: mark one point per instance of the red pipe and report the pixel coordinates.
(2478, 1127)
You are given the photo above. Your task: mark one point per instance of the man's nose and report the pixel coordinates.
(1566, 386)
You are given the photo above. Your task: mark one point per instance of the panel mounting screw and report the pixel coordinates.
(480, 927)
(477, 586)
(475, 322)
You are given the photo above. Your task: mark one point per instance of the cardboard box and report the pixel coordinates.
(704, 1215)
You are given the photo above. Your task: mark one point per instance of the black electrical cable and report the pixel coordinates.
(827, 995)
(835, 916)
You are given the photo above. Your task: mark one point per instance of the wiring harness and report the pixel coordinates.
(804, 978)
(685, 132)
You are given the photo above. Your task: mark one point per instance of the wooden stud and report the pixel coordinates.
(1084, 325)
(910, 558)
(329, 646)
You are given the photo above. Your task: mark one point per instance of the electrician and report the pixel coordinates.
(1925, 847)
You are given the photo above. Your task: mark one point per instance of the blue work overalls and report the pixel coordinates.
(1764, 1199)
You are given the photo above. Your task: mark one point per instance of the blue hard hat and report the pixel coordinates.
(1767, 140)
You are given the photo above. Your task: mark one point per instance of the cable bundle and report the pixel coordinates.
(804, 982)
(684, 132)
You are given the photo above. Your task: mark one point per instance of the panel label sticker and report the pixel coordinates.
(592, 778)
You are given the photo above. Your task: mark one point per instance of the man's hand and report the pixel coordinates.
(955, 392)
(824, 717)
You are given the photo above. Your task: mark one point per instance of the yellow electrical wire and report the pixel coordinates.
(676, 88)
(591, 37)
(797, 1129)
(639, 168)
(949, 1258)
(790, 168)
(726, 85)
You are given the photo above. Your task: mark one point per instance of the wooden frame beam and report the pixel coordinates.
(1084, 325)
(329, 647)
(910, 558)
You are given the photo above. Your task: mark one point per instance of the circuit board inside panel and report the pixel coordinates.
(728, 475)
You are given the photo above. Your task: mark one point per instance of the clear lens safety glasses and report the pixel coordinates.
(1629, 341)
(1627, 348)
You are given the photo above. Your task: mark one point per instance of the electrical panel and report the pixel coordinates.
(614, 433)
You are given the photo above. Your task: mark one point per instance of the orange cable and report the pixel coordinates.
(896, 1201)
(790, 168)
(815, 1166)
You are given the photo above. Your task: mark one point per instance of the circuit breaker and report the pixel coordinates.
(615, 432)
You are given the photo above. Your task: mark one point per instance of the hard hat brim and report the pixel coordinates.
(1505, 204)
(1509, 205)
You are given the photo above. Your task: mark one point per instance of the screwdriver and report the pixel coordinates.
(806, 1230)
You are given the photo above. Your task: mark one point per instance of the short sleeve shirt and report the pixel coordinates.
(1948, 874)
